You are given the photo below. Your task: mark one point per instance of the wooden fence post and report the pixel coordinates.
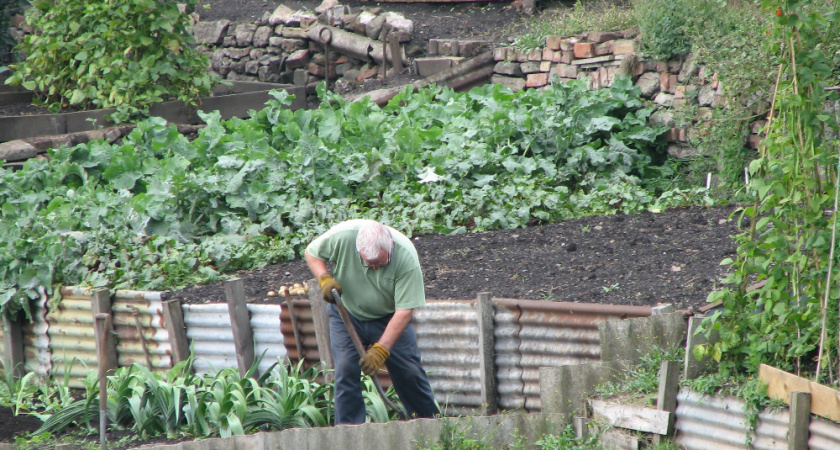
(800, 420)
(240, 322)
(13, 354)
(666, 400)
(100, 303)
(487, 350)
(173, 315)
(321, 321)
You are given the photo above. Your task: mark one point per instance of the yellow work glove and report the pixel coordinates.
(328, 283)
(373, 359)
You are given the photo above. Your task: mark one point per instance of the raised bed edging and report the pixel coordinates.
(246, 96)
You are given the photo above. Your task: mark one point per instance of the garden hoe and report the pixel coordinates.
(345, 317)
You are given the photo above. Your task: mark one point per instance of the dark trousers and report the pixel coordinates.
(409, 378)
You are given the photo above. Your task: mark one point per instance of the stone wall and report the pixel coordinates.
(288, 46)
(685, 92)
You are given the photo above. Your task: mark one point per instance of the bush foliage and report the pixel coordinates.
(128, 54)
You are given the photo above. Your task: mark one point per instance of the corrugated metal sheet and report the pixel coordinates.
(824, 434)
(268, 340)
(131, 308)
(447, 336)
(72, 340)
(210, 335)
(720, 422)
(209, 330)
(36, 341)
(531, 334)
(306, 328)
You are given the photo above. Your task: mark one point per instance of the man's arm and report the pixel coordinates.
(317, 266)
(399, 321)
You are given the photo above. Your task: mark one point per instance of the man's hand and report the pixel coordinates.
(373, 359)
(328, 283)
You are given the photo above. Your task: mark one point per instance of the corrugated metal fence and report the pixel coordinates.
(720, 422)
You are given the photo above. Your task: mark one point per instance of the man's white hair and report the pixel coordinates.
(372, 238)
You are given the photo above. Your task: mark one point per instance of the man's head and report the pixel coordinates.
(375, 245)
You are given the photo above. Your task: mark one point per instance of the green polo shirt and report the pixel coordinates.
(366, 293)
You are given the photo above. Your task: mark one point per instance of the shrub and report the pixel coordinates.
(128, 54)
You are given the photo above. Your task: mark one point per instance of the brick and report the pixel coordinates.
(294, 33)
(623, 47)
(661, 66)
(568, 45)
(530, 67)
(366, 72)
(500, 54)
(521, 57)
(508, 68)
(679, 92)
(545, 66)
(704, 113)
(664, 79)
(536, 80)
(674, 66)
(535, 55)
(679, 102)
(433, 47)
(566, 71)
(547, 54)
(584, 50)
(297, 59)
(600, 36)
(515, 84)
(594, 80)
(604, 48)
(672, 83)
(553, 42)
(566, 56)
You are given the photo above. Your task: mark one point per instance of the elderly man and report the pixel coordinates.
(377, 273)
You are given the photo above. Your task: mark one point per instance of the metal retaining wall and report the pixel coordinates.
(718, 422)
(531, 334)
(824, 435)
(209, 331)
(447, 336)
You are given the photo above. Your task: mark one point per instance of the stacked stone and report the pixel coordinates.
(276, 49)
(597, 58)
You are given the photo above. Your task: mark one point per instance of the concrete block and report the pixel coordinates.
(631, 338)
(562, 389)
(427, 67)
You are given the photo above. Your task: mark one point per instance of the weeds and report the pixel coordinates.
(642, 379)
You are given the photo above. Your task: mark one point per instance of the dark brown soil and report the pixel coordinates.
(640, 259)
(11, 425)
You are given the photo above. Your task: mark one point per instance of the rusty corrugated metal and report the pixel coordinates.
(447, 336)
(824, 434)
(210, 334)
(306, 328)
(143, 307)
(720, 422)
(531, 334)
(72, 340)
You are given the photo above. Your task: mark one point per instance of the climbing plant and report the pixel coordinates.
(781, 305)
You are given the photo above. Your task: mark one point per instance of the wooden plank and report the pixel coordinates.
(173, 316)
(487, 353)
(13, 354)
(666, 399)
(321, 321)
(100, 303)
(240, 322)
(639, 418)
(825, 401)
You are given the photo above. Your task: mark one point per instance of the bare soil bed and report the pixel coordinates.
(639, 259)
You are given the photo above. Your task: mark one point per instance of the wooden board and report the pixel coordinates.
(639, 418)
(825, 401)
